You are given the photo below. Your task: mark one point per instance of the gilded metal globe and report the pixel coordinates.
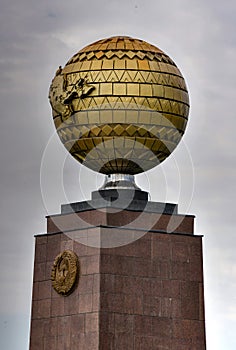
(120, 105)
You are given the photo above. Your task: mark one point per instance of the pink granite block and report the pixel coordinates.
(123, 341)
(35, 294)
(85, 303)
(85, 284)
(190, 309)
(162, 327)
(165, 269)
(96, 283)
(162, 343)
(80, 249)
(42, 239)
(178, 270)
(151, 305)
(201, 303)
(142, 247)
(50, 343)
(161, 247)
(142, 267)
(194, 272)
(40, 271)
(44, 289)
(83, 265)
(106, 341)
(91, 322)
(93, 264)
(171, 288)
(130, 304)
(95, 302)
(157, 269)
(41, 309)
(51, 327)
(57, 307)
(166, 307)
(176, 308)
(86, 341)
(63, 342)
(143, 325)
(36, 343)
(108, 283)
(133, 285)
(40, 253)
(143, 343)
(107, 322)
(67, 244)
(77, 324)
(188, 330)
(180, 251)
(48, 269)
(53, 247)
(152, 286)
(64, 325)
(71, 304)
(37, 328)
(123, 323)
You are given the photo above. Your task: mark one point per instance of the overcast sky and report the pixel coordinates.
(38, 36)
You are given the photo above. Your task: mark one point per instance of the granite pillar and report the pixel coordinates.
(140, 284)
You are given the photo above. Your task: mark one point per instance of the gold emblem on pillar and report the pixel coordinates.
(65, 272)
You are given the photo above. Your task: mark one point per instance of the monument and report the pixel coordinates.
(119, 271)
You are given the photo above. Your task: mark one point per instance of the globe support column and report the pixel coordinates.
(140, 286)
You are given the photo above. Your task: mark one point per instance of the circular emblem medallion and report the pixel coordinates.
(65, 272)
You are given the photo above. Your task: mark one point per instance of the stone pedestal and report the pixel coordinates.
(140, 285)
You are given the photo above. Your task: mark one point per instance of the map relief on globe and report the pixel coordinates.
(120, 106)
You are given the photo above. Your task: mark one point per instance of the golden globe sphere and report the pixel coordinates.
(120, 105)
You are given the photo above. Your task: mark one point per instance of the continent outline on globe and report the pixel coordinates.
(135, 110)
(63, 97)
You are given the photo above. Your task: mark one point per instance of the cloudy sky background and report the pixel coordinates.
(38, 36)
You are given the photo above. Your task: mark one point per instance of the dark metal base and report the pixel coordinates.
(126, 199)
(124, 194)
